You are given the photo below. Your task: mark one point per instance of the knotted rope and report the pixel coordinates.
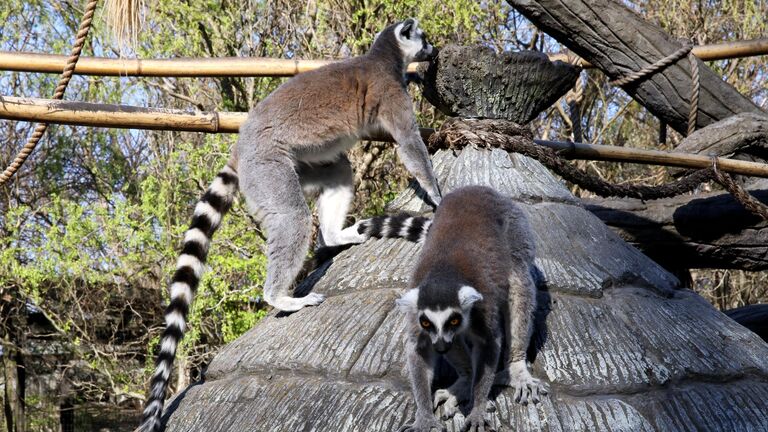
(74, 56)
(509, 136)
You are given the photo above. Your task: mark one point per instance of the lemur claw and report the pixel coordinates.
(476, 422)
(429, 424)
(528, 389)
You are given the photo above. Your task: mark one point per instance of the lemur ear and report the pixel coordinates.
(468, 296)
(407, 303)
(408, 26)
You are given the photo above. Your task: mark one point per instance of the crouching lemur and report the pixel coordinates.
(471, 292)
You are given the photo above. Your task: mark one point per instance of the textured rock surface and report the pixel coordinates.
(476, 82)
(621, 346)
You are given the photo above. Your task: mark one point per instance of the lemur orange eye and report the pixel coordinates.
(454, 322)
(425, 323)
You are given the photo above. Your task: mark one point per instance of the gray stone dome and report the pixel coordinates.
(622, 347)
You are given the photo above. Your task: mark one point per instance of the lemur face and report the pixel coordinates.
(413, 44)
(442, 324)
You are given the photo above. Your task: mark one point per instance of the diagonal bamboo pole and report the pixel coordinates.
(239, 66)
(130, 117)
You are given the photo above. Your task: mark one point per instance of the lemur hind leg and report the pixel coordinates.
(335, 184)
(273, 194)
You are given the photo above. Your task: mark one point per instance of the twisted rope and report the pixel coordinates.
(662, 64)
(653, 68)
(739, 193)
(457, 133)
(695, 89)
(74, 56)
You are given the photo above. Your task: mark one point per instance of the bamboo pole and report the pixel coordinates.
(239, 66)
(720, 51)
(178, 67)
(117, 116)
(574, 150)
(130, 117)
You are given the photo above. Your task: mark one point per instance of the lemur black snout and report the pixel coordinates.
(442, 346)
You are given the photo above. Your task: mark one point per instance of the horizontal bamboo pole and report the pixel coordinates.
(127, 117)
(177, 67)
(239, 66)
(720, 51)
(117, 116)
(130, 117)
(575, 150)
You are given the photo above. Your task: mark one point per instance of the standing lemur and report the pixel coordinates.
(294, 143)
(472, 289)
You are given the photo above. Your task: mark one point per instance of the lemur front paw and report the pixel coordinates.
(527, 388)
(423, 424)
(532, 390)
(452, 398)
(476, 421)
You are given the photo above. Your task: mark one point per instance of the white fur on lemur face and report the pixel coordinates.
(444, 323)
(412, 42)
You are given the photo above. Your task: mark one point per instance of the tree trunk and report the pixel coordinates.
(709, 230)
(618, 41)
(704, 231)
(15, 387)
(67, 415)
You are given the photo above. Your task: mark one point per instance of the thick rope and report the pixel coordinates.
(653, 68)
(695, 90)
(457, 133)
(739, 193)
(507, 135)
(74, 55)
(662, 64)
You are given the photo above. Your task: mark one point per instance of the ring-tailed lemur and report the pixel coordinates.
(292, 144)
(472, 289)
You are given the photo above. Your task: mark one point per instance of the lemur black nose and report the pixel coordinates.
(442, 347)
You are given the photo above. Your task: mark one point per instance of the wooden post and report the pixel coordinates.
(618, 41)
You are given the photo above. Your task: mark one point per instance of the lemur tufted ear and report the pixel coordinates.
(408, 26)
(468, 296)
(407, 303)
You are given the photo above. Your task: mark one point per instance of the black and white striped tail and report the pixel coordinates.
(189, 269)
(403, 225)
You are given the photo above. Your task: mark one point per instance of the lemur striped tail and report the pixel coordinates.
(189, 269)
(403, 225)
